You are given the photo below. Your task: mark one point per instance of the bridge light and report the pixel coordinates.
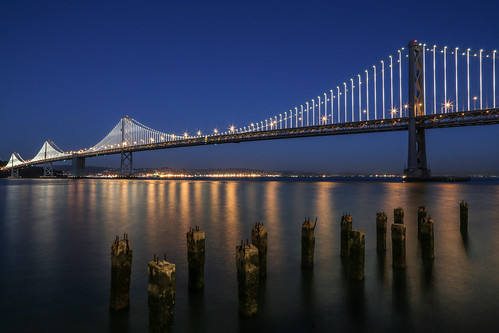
(215, 131)
(199, 133)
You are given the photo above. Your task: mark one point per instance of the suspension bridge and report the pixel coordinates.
(415, 88)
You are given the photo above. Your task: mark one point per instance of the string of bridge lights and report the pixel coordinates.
(356, 99)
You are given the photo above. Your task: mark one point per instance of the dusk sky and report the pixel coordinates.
(69, 70)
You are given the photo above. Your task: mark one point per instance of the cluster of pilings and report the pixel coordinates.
(251, 261)
(251, 264)
(352, 247)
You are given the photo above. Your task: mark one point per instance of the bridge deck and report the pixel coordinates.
(455, 119)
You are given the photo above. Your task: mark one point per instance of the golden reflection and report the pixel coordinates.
(184, 214)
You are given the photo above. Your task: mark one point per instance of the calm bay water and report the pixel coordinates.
(55, 239)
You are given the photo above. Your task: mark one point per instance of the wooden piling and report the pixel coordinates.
(381, 221)
(422, 213)
(427, 241)
(398, 245)
(259, 239)
(346, 227)
(247, 278)
(356, 259)
(196, 257)
(463, 210)
(121, 270)
(161, 295)
(307, 243)
(398, 215)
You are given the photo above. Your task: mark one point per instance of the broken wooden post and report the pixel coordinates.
(196, 257)
(381, 220)
(121, 270)
(427, 241)
(307, 243)
(422, 213)
(346, 227)
(259, 239)
(398, 215)
(398, 245)
(247, 278)
(161, 295)
(357, 254)
(463, 210)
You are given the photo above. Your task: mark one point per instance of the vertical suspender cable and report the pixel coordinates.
(434, 82)
(468, 75)
(360, 99)
(339, 107)
(445, 79)
(400, 82)
(375, 106)
(345, 85)
(457, 92)
(383, 86)
(352, 100)
(424, 78)
(481, 79)
(494, 77)
(391, 86)
(367, 94)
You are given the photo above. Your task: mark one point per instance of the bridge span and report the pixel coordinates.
(368, 103)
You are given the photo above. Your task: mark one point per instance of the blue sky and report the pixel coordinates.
(69, 70)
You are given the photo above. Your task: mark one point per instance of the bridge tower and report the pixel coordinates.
(48, 170)
(126, 140)
(416, 162)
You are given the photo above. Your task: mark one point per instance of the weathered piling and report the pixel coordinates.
(427, 241)
(247, 278)
(463, 210)
(356, 259)
(398, 215)
(307, 243)
(398, 245)
(422, 213)
(259, 239)
(196, 257)
(121, 270)
(346, 227)
(381, 220)
(161, 295)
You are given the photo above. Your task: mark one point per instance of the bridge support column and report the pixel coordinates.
(126, 164)
(14, 173)
(416, 162)
(78, 166)
(48, 170)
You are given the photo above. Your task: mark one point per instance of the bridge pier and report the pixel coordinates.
(417, 168)
(48, 170)
(78, 166)
(14, 173)
(126, 164)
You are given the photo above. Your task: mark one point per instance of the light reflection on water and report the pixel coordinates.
(55, 238)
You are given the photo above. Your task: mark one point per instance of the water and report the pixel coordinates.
(55, 239)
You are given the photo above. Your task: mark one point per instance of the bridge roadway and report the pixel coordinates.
(453, 119)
